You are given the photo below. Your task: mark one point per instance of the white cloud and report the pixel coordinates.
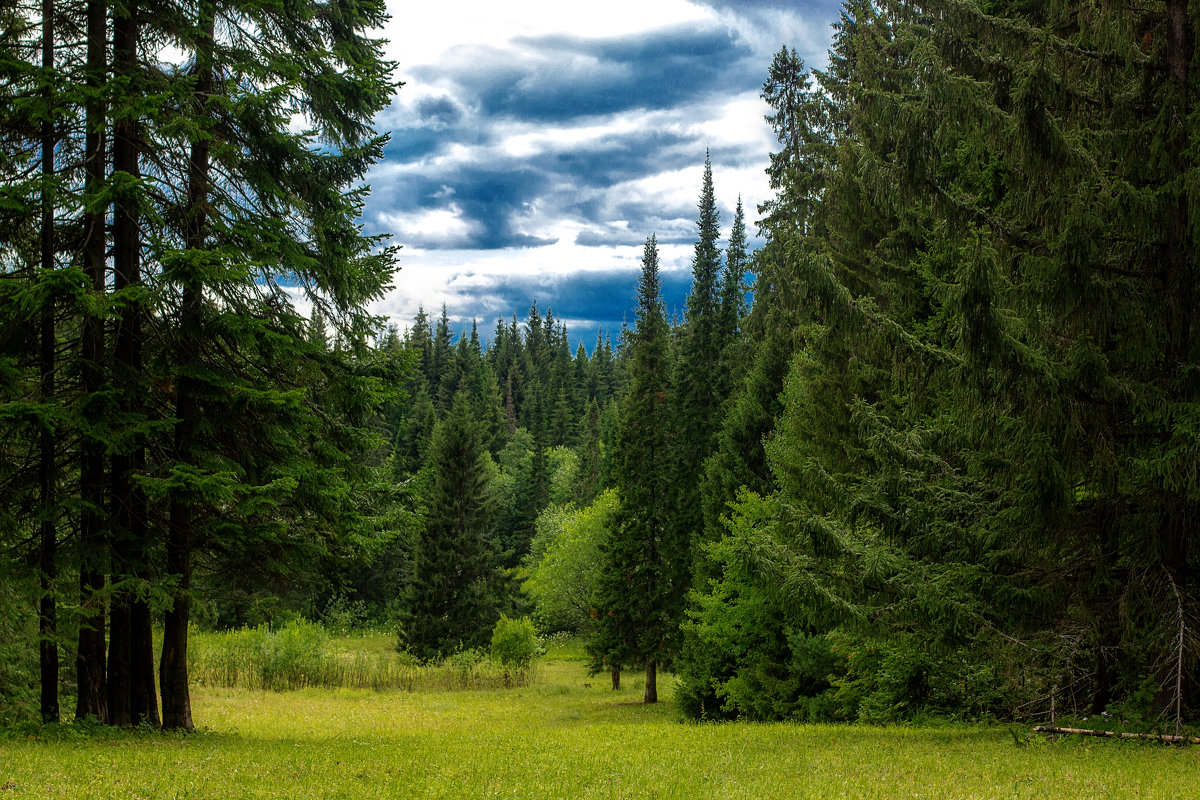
(439, 223)
(663, 200)
(421, 33)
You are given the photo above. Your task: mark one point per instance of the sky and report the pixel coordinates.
(535, 145)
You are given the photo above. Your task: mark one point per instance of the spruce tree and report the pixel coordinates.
(699, 387)
(451, 604)
(644, 573)
(733, 289)
(966, 466)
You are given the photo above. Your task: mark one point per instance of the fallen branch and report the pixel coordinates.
(1160, 737)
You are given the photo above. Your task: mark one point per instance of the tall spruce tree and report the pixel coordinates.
(698, 378)
(644, 574)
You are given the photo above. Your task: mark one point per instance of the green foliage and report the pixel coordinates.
(515, 643)
(966, 478)
(563, 566)
(747, 653)
(18, 660)
(453, 603)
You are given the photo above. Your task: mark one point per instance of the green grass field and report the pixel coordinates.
(567, 736)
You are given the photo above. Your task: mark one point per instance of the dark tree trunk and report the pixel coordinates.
(143, 694)
(90, 659)
(177, 707)
(48, 608)
(132, 695)
(119, 704)
(616, 678)
(1178, 526)
(651, 682)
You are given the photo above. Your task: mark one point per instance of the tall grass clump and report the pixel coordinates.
(302, 654)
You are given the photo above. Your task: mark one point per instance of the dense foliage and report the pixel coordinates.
(983, 466)
(943, 460)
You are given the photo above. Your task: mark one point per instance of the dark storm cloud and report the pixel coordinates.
(438, 112)
(482, 93)
(491, 194)
(563, 77)
(613, 158)
(604, 298)
(489, 200)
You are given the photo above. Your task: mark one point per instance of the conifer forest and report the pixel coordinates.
(924, 441)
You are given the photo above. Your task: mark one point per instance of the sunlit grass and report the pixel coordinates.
(567, 736)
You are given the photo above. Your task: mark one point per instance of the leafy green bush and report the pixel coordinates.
(514, 642)
(564, 562)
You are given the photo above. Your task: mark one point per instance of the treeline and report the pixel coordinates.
(491, 434)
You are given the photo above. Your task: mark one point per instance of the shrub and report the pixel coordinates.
(514, 642)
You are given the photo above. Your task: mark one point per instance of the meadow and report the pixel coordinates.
(564, 735)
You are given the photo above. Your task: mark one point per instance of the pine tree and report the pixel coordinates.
(698, 381)
(643, 577)
(451, 603)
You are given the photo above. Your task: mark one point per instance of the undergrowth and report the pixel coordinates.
(301, 654)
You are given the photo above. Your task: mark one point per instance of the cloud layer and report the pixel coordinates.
(531, 156)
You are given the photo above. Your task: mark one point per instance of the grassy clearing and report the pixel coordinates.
(567, 736)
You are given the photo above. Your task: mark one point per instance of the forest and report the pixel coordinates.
(931, 448)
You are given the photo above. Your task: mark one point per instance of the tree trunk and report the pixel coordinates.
(616, 678)
(143, 694)
(47, 607)
(90, 659)
(651, 682)
(1177, 526)
(173, 672)
(134, 699)
(119, 704)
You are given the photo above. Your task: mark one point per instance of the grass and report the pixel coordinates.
(302, 655)
(566, 736)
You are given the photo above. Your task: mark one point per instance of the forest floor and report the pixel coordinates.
(567, 736)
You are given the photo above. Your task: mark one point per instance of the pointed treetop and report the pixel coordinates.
(706, 263)
(649, 284)
(733, 290)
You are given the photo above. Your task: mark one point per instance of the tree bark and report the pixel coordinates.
(48, 477)
(1177, 512)
(651, 682)
(173, 672)
(90, 661)
(133, 699)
